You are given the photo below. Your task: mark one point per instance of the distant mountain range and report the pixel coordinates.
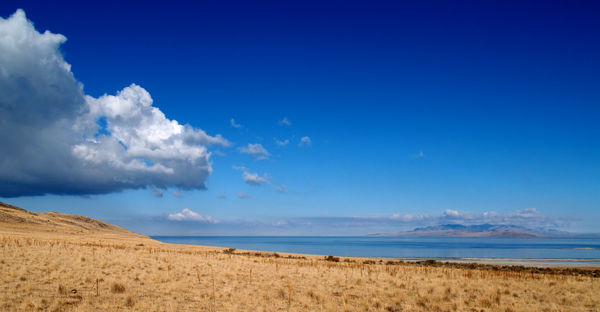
(485, 230)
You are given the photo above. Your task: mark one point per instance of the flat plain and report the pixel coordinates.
(56, 262)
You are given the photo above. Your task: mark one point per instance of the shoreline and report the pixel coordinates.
(583, 263)
(571, 263)
(528, 262)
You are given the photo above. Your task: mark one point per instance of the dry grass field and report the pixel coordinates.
(54, 262)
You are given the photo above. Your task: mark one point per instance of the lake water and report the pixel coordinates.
(403, 247)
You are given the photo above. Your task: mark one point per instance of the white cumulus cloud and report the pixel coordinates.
(59, 140)
(189, 215)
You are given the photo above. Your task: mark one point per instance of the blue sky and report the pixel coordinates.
(417, 113)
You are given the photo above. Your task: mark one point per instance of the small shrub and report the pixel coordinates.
(422, 302)
(117, 288)
(369, 262)
(129, 302)
(332, 258)
(485, 302)
(498, 297)
(229, 251)
(430, 262)
(281, 294)
(393, 309)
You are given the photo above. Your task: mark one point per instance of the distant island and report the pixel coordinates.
(485, 230)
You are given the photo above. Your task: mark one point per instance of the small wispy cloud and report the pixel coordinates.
(218, 153)
(242, 195)
(280, 223)
(305, 141)
(234, 124)
(157, 192)
(418, 155)
(222, 195)
(285, 122)
(254, 178)
(282, 143)
(178, 194)
(257, 151)
(189, 215)
(280, 189)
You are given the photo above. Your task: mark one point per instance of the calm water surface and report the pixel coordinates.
(395, 247)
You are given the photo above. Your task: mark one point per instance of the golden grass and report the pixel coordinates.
(70, 275)
(56, 262)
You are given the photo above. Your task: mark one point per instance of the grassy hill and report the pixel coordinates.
(18, 221)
